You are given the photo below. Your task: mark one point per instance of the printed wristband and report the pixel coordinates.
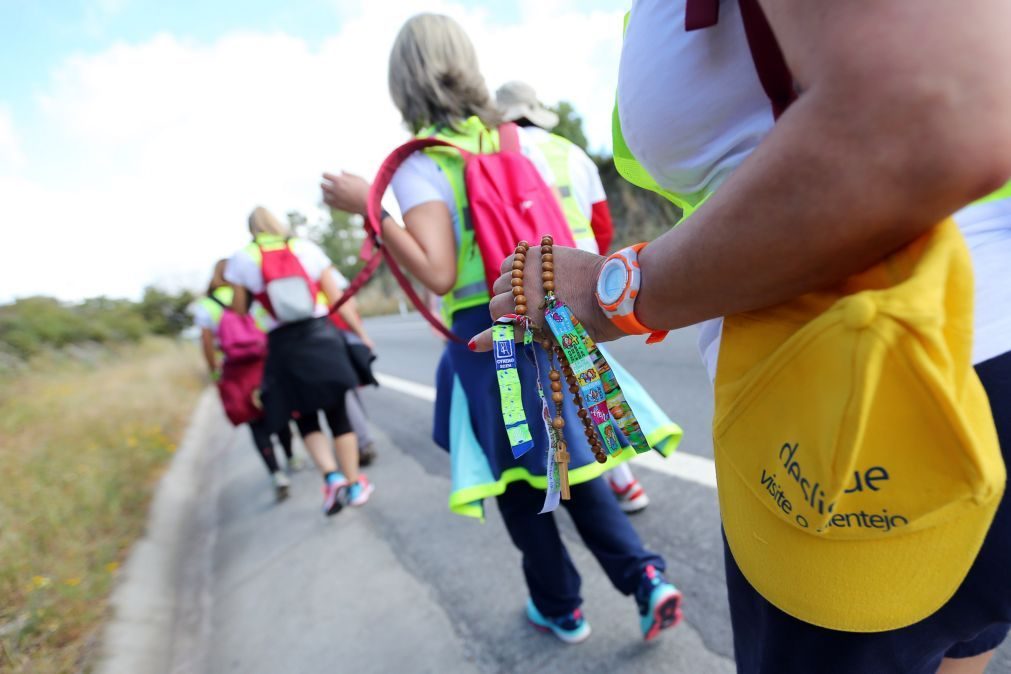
(510, 392)
(620, 410)
(559, 319)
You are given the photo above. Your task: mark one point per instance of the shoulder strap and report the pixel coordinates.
(214, 299)
(775, 76)
(508, 137)
(373, 225)
(773, 73)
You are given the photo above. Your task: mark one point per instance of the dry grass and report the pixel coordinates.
(81, 446)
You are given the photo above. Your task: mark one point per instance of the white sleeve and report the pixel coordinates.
(202, 317)
(419, 180)
(242, 270)
(342, 281)
(312, 257)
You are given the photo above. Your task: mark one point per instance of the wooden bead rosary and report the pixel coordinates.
(554, 351)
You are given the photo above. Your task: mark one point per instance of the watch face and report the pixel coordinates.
(612, 281)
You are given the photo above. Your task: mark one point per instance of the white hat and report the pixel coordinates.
(517, 100)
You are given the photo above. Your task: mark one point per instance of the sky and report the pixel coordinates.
(137, 135)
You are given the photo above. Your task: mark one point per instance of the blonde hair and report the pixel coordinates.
(262, 221)
(434, 77)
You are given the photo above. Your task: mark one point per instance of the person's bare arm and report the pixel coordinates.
(210, 353)
(349, 312)
(905, 117)
(425, 246)
(240, 300)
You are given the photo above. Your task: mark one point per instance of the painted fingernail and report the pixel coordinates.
(472, 344)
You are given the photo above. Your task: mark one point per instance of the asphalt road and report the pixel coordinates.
(403, 585)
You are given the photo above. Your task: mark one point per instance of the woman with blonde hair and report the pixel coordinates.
(435, 83)
(307, 370)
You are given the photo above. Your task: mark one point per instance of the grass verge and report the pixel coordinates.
(82, 445)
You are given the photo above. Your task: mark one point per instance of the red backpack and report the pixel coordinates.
(288, 292)
(508, 199)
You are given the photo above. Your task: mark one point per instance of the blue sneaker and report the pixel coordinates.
(571, 628)
(659, 603)
(358, 493)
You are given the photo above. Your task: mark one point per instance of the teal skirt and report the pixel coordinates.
(468, 421)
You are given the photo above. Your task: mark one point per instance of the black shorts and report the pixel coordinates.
(975, 620)
(307, 369)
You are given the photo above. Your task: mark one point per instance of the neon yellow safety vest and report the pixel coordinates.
(557, 151)
(267, 242)
(223, 294)
(471, 288)
(274, 242)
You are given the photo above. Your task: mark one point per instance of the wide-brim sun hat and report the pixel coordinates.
(518, 100)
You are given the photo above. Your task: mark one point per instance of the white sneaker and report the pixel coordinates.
(632, 498)
(281, 484)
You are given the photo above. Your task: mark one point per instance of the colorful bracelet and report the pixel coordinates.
(601, 405)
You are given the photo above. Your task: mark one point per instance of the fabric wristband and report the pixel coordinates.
(510, 393)
(559, 320)
(620, 410)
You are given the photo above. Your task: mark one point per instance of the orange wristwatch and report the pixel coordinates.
(617, 289)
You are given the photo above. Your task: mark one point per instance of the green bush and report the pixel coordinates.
(33, 324)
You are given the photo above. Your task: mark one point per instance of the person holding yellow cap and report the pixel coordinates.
(846, 253)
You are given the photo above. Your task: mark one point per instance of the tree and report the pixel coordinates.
(570, 124)
(166, 313)
(341, 239)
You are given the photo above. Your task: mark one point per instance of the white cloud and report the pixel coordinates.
(11, 155)
(165, 146)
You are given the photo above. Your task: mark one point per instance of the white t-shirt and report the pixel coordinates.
(692, 109)
(243, 269)
(202, 317)
(419, 179)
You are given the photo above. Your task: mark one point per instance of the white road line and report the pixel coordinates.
(690, 467)
(422, 391)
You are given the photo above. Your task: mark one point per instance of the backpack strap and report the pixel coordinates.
(775, 76)
(221, 304)
(773, 73)
(508, 137)
(373, 225)
(701, 14)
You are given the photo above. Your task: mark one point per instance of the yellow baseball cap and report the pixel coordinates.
(856, 456)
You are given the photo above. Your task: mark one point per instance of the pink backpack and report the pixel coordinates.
(240, 338)
(509, 202)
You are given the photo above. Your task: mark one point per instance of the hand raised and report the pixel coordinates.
(345, 192)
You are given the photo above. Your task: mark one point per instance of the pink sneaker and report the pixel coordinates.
(334, 497)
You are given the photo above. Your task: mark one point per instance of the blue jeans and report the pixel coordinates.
(551, 576)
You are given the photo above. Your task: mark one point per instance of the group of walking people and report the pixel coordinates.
(859, 350)
(286, 359)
